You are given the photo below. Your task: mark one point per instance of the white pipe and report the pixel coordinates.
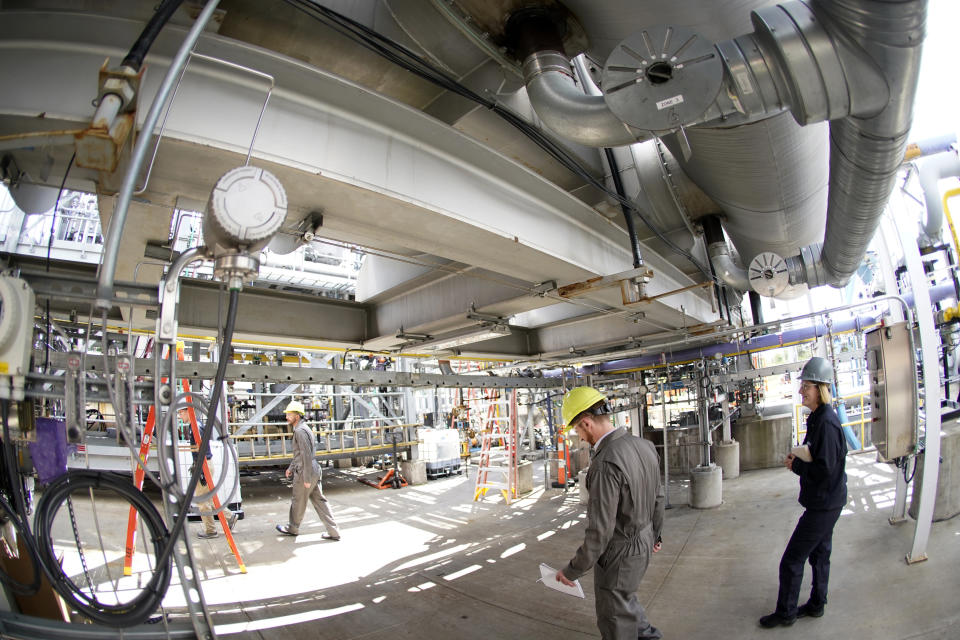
(931, 170)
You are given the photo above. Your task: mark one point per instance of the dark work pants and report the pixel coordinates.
(813, 539)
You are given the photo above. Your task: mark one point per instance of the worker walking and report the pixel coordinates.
(305, 472)
(823, 493)
(624, 516)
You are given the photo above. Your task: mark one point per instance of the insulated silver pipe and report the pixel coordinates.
(726, 269)
(566, 109)
(111, 248)
(866, 151)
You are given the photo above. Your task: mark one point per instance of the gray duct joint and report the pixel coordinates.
(807, 268)
(820, 76)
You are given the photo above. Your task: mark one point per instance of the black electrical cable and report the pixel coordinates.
(146, 602)
(627, 212)
(204, 444)
(53, 222)
(139, 608)
(403, 57)
(138, 51)
(17, 512)
(906, 461)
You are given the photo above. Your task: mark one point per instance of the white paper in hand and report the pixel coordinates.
(548, 576)
(802, 452)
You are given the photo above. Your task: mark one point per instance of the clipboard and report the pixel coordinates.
(802, 452)
(548, 576)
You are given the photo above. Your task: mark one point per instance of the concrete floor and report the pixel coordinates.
(428, 562)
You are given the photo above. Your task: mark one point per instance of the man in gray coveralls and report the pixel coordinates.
(306, 478)
(624, 516)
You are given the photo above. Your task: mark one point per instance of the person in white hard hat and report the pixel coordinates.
(305, 472)
(823, 493)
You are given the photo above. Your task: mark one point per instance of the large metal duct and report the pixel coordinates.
(853, 62)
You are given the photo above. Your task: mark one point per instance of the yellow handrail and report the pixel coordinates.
(277, 447)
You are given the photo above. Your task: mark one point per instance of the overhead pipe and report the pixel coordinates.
(867, 145)
(930, 146)
(537, 39)
(654, 353)
(852, 62)
(856, 64)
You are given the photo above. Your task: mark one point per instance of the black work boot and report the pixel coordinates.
(810, 610)
(776, 620)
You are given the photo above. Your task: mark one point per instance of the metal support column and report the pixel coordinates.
(703, 409)
(931, 382)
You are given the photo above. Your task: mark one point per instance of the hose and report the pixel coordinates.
(204, 444)
(138, 51)
(146, 602)
(60, 490)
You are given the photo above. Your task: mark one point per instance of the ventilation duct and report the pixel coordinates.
(854, 63)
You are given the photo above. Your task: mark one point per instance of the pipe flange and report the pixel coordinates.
(662, 78)
(236, 269)
(768, 274)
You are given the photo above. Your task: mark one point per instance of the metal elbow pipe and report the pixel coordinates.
(726, 269)
(567, 110)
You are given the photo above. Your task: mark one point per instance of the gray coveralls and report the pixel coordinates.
(624, 519)
(304, 468)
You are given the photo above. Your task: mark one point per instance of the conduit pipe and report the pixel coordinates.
(759, 343)
(111, 247)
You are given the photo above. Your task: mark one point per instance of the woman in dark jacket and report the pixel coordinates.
(823, 493)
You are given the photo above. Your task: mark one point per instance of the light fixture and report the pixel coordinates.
(464, 337)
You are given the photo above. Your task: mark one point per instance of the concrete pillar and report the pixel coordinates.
(706, 487)
(728, 458)
(524, 477)
(414, 471)
(582, 483)
(764, 442)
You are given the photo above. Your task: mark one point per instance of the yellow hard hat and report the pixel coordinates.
(295, 406)
(578, 400)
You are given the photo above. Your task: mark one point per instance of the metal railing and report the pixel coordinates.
(271, 447)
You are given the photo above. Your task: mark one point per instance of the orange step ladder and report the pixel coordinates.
(497, 466)
(138, 482)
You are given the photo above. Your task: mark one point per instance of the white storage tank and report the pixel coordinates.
(440, 449)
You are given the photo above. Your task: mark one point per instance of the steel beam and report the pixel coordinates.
(307, 375)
